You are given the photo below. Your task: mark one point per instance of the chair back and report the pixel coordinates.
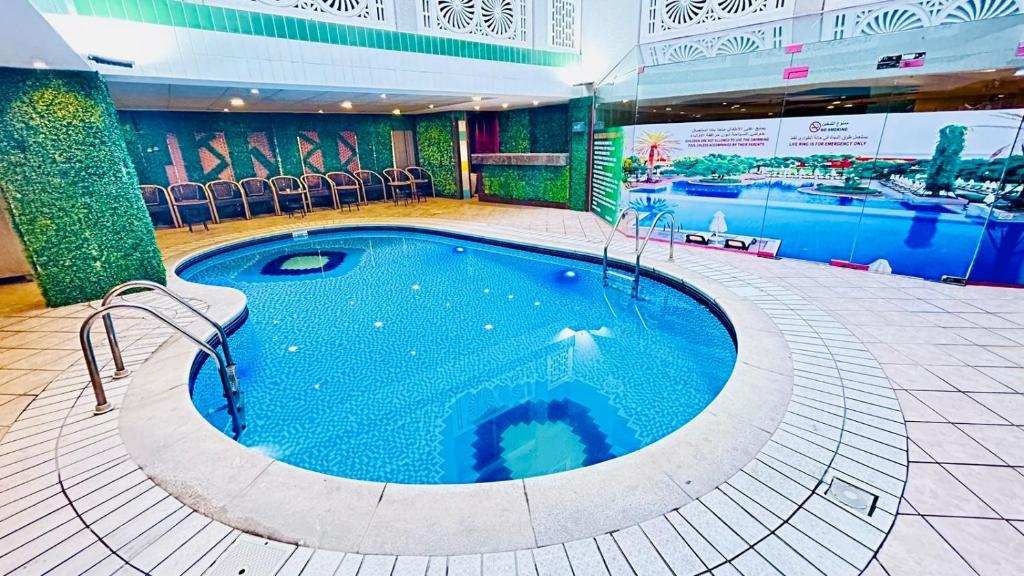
(187, 191)
(256, 187)
(153, 195)
(397, 176)
(316, 183)
(366, 177)
(224, 190)
(418, 173)
(286, 183)
(343, 180)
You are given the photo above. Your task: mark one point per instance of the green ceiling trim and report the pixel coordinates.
(235, 21)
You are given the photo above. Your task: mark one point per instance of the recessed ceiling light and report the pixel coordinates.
(347, 104)
(384, 96)
(227, 110)
(476, 107)
(320, 111)
(771, 113)
(237, 102)
(396, 111)
(668, 109)
(696, 115)
(836, 102)
(431, 106)
(829, 107)
(536, 102)
(847, 105)
(989, 70)
(477, 98)
(743, 109)
(1001, 96)
(39, 64)
(254, 91)
(725, 103)
(624, 101)
(504, 104)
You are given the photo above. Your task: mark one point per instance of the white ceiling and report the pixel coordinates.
(135, 95)
(29, 38)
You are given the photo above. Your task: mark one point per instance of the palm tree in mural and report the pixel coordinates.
(655, 145)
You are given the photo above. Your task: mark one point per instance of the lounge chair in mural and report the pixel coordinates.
(348, 189)
(374, 187)
(193, 204)
(228, 199)
(696, 239)
(422, 179)
(401, 184)
(158, 203)
(320, 191)
(259, 196)
(291, 195)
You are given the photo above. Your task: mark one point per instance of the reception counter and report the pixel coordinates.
(516, 178)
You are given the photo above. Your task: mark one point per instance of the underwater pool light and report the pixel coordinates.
(293, 348)
(378, 324)
(415, 286)
(488, 326)
(569, 274)
(459, 249)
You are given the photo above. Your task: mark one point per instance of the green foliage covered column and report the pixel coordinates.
(436, 148)
(579, 146)
(70, 186)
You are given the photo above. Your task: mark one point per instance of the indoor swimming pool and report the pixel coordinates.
(408, 357)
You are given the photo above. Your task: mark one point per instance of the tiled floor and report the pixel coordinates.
(955, 357)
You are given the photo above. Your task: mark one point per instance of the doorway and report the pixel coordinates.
(403, 148)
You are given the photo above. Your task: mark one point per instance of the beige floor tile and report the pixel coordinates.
(12, 408)
(1012, 378)
(47, 360)
(913, 377)
(958, 407)
(1008, 406)
(915, 549)
(27, 381)
(9, 357)
(914, 410)
(1002, 488)
(991, 547)
(947, 443)
(968, 379)
(931, 490)
(1006, 442)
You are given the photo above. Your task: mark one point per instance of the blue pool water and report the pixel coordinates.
(415, 358)
(928, 241)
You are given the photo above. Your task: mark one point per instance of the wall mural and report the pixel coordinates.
(348, 151)
(213, 156)
(312, 153)
(264, 161)
(928, 194)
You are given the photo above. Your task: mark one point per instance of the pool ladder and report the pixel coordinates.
(638, 247)
(225, 365)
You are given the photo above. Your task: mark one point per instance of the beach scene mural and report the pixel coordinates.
(930, 194)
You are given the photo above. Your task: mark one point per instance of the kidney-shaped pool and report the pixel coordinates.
(409, 357)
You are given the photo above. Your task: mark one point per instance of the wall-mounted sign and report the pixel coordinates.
(908, 60)
(580, 126)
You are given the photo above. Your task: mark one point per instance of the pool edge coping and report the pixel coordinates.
(247, 490)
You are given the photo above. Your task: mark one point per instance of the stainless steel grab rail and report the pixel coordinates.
(650, 232)
(232, 393)
(115, 349)
(615, 228)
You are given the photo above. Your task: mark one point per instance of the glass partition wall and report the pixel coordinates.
(895, 149)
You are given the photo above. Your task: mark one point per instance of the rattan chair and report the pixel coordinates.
(401, 185)
(291, 195)
(319, 188)
(347, 188)
(193, 204)
(259, 196)
(158, 203)
(422, 179)
(374, 187)
(228, 195)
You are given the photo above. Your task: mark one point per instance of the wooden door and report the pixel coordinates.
(403, 148)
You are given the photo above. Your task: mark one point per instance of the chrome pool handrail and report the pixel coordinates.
(650, 232)
(108, 324)
(611, 236)
(232, 392)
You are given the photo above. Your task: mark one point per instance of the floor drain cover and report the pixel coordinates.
(250, 556)
(852, 497)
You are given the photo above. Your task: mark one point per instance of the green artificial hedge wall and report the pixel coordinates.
(528, 183)
(579, 148)
(70, 186)
(549, 129)
(146, 133)
(436, 148)
(514, 131)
